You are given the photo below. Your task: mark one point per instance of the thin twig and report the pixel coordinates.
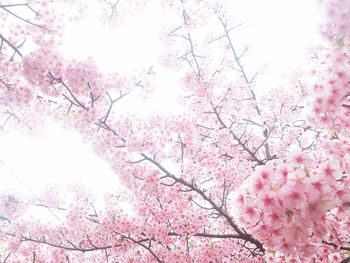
(23, 19)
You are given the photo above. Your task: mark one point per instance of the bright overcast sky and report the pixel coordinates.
(278, 33)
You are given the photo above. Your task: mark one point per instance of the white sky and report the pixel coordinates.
(277, 32)
(59, 158)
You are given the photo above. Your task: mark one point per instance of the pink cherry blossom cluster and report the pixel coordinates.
(181, 171)
(289, 206)
(331, 104)
(338, 13)
(331, 86)
(114, 13)
(81, 73)
(40, 66)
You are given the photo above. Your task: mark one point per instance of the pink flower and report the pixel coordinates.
(251, 213)
(282, 173)
(301, 159)
(265, 173)
(297, 179)
(275, 219)
(268, 201)
(295, 234)
(346, 163)
(292, 198)
(316, 210)
(331, 172)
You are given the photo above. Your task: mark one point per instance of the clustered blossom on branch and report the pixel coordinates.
(292, 207)
(236, 177)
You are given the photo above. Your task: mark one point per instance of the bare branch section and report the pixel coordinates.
(9, 116)
(194, 56)
(345, 260)
(235, 55)
(113, 7)
(7, 8)
(248, 80)
(242, 235)
(18, 5)
(190, 55)
(141, 243)
(74, 100)
(209, 235)
(145, 243)
(71, 247)
(112, 102)
(11, 45)
(237, 59)
(336, 246)
(245, 147)
(7, 257)
(103, 121)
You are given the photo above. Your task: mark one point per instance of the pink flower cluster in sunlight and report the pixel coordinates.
(331, 104)
(290, 206)
(236, 176)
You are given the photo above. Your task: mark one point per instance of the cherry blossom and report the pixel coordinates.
(236, 176)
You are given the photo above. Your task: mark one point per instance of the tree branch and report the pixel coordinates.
(5, 7)
(15, 49)
(243, 145)
(217, 208)
(72, 248)
(60, 80)
(194, 56)
(112, 102)
(336, 246)
(223, 236)
(139, 242)
(7, 257)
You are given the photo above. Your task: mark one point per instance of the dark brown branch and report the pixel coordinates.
(17, 5)
(60, 80)
(114, 8)
(240, 142)
(139, 242)
(217, 208)
(106, 254)
(71, 103)
(182, 145)
(13, 5)
(267, 136)
(228, 30)
(3, 82)
(204, 127)
(224, 196)
(112, 102)
(205, 208)
(108, 128)
(237, 58)
(244, 74)
(21, 18)
(336, 246)
(90, 242)
(7, 257)
(12, 46)
(10, 115)
(221, 236)
(71, 248)
(194, 56)
(252, 122)
(185, 17)
(92, 99)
